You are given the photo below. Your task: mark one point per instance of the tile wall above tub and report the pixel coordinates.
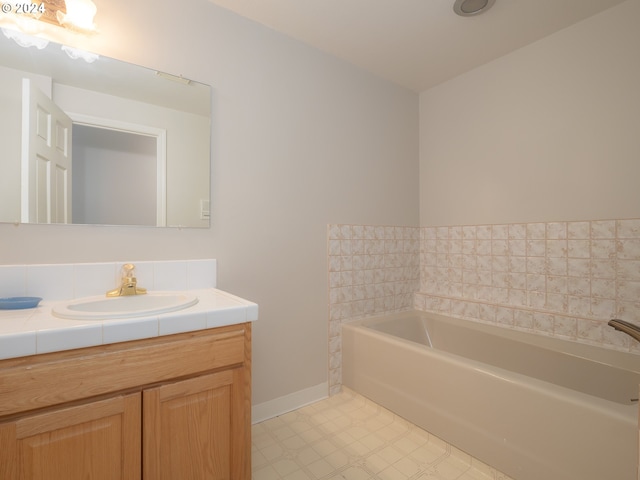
(75, 280)
(565, 279)
(373, 270)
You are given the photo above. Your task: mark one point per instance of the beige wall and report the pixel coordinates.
(300, 140)
(547, 133)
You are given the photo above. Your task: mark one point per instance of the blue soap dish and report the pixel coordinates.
(19, 303)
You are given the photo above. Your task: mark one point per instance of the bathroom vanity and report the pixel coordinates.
(162, 396)
(170, 407)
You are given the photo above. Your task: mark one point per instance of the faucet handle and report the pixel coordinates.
(129, 281)
(128, 269)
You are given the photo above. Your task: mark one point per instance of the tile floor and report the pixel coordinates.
(348, 437)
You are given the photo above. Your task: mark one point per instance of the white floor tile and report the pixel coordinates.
(348, 437)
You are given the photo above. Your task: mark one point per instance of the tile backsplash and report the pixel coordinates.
(68, 281)
(564, 279)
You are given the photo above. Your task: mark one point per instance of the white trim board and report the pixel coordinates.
(288, 403)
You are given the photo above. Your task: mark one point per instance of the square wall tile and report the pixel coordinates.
(51, 282)
(201, 274)
(13, 281)
(91, 279)
(170, 275)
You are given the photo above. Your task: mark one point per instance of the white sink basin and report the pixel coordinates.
(102, 308)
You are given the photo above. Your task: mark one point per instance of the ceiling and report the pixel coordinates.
(415, 43)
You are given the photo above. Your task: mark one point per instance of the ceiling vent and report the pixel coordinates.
(468, 8)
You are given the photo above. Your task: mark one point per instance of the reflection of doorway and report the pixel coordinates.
(114, 177)
(46, 159)
(119, 173)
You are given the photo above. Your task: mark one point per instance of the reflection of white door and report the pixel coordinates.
(46, 159)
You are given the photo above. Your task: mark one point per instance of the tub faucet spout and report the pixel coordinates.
(626, 327)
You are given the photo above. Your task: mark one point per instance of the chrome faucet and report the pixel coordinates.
(128, 283)
(626, 327)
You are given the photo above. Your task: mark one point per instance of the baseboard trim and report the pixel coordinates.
(281, 405)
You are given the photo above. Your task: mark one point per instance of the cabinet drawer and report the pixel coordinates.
(51, 379)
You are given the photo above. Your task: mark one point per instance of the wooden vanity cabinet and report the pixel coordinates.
(97, 440)
(174, 407)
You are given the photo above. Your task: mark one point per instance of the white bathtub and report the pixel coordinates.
(534, 407)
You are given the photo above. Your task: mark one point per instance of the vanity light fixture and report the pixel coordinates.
(34, 23)
(79, 16)
(76, 53)
(25, 40)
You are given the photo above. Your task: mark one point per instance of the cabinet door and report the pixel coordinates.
(97, 441)
(192, 431)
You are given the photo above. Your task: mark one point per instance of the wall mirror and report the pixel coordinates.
(107, 142)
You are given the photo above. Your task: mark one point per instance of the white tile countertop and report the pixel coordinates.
(36, 330)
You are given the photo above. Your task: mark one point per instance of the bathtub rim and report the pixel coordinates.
(608, 356)
(626, 412)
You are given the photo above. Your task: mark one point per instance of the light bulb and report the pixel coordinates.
(79, 15)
